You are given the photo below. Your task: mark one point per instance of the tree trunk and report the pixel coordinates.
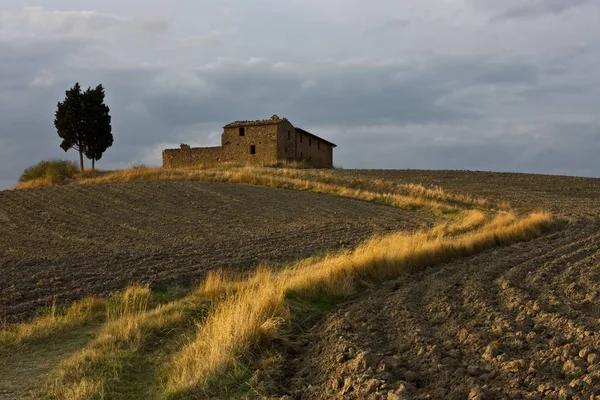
(93, 164)
(81, 159)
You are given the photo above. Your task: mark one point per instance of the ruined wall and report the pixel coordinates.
(189, 157)
(314, 151)
(238, 148)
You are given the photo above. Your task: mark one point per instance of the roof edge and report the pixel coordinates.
(313, 135)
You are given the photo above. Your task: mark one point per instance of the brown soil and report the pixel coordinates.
(75, 241)
(518, 322)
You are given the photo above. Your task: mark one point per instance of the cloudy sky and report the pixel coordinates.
(510, 85)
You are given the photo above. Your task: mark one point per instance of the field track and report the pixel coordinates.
(80, 240)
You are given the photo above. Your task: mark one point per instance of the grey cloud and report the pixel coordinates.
(568, 149)
(531, 8)
(39, 19)
(393, 25)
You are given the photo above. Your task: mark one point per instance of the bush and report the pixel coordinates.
(54, 171)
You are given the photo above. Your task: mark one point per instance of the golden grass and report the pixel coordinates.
(252, 308)
(78, 313)
(35, 183)
(87, 373)
(134, 301)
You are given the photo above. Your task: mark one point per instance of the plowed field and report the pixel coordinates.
(515, 322)
(75, 241)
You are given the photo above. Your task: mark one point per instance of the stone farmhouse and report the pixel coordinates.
(269, 141)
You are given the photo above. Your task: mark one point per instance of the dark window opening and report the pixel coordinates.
(252, 149)
(242, 131)
(300, 138)
(301, 155)
(318, 145)
(289, 135)
(218, 159)
(309, 142)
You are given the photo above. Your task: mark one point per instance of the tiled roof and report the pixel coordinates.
(273, 120)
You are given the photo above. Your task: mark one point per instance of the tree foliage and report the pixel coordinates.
(82, 120)
(97, 124)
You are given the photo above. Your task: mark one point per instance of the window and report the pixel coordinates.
(300, 138)
(252, 149)
(309, 142)
(289, 135)
(318, 145)
(301, 155)
(242, 131)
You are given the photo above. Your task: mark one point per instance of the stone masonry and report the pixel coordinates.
(270, 141)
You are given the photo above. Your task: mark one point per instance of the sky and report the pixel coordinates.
(510, 85)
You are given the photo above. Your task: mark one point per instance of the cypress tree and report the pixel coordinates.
(97, 128)
(69, 122)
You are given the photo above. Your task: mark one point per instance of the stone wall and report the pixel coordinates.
(286, 143)
(313, 151)
(238, 148)
(190, 157)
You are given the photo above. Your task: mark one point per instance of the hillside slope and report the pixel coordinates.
(76, 241)
(503, 312)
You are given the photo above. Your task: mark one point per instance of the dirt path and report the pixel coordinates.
(75, 241)
(23, 370)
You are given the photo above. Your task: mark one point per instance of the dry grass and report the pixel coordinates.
(35, 183)
(87, 373)
(42, 327)
(134, 301)
(254, 307)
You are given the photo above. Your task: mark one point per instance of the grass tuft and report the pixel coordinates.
(48, 172)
